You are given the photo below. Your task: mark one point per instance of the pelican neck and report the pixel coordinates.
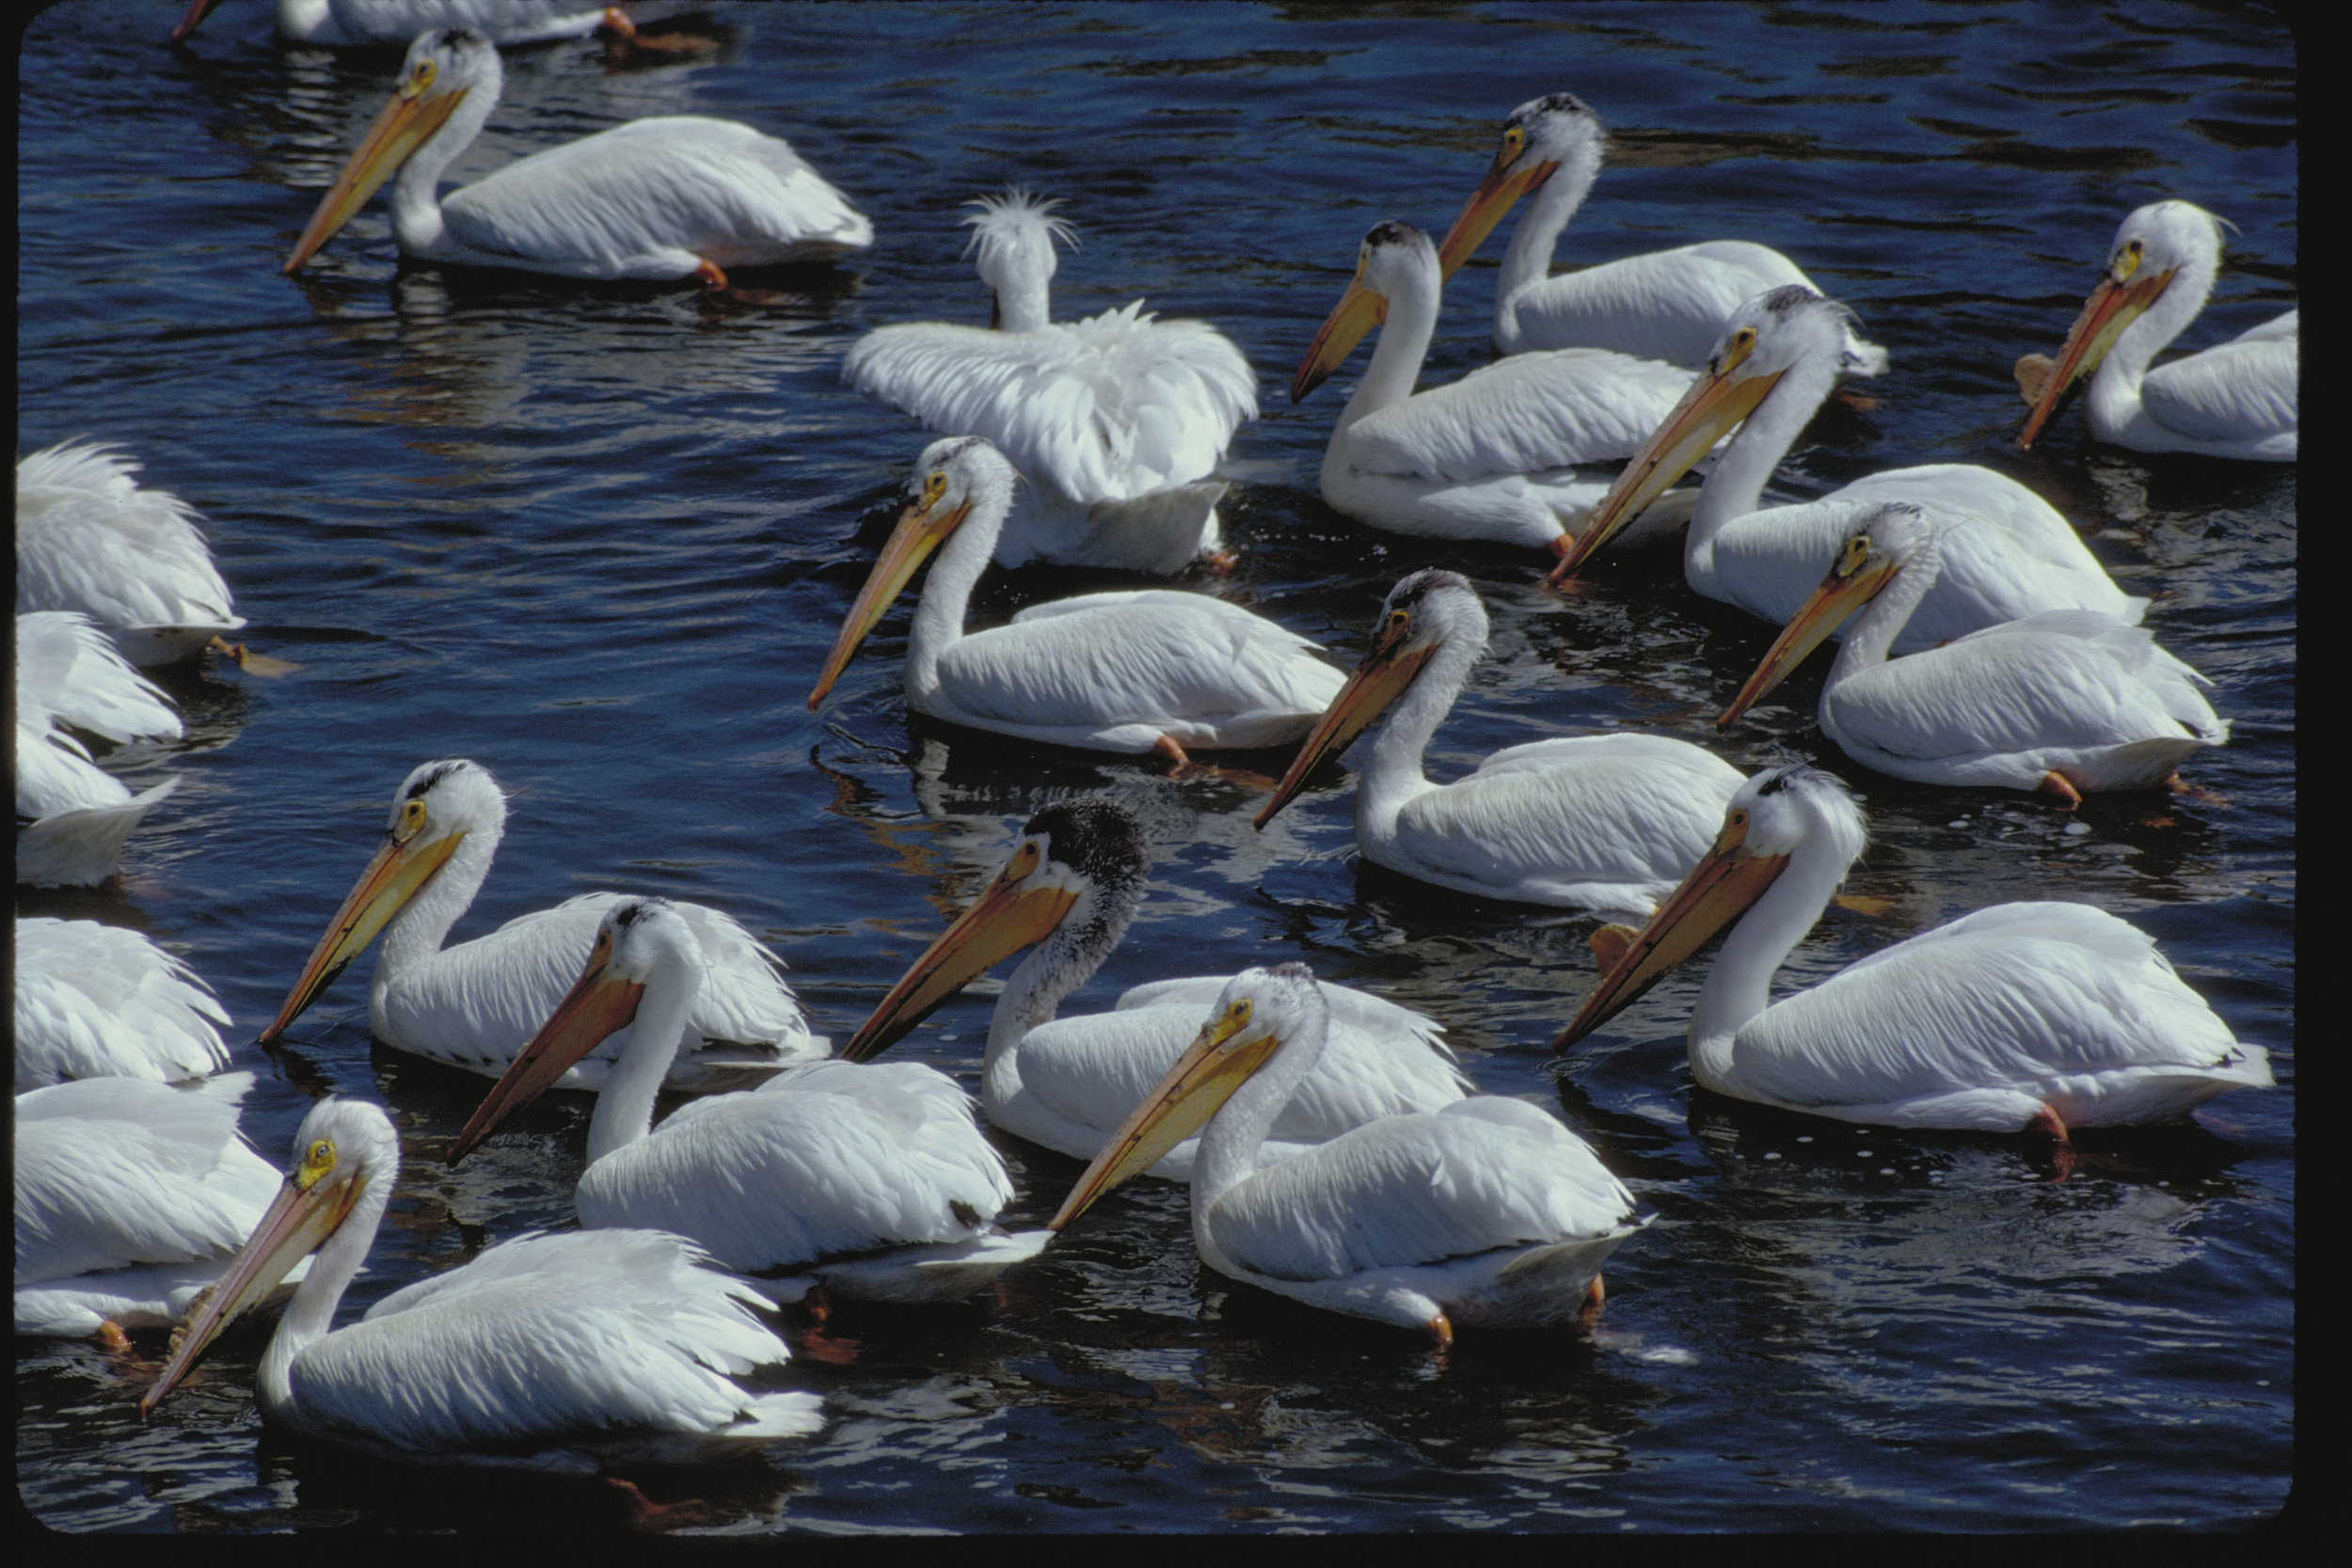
(1527, 260)
(310, 1314)
(1740, 985)
(1393, 770)
(414, 935)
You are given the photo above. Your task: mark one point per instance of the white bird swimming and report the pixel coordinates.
(670, 197)
(90, 539)
(874, 1179)
(1143, 670)
(1117, 421)
(2007, 553)
(1486, 1213)
(2233, 400)
(2069, 701)
(2050, 1015)
(390, 24)
(1491, 456)
(97, 1001)
(131, 1197)
(74, 815)
(547, 1350)
(1588, 822)
(475, 1004)
(1070, 888)
(1670, 305)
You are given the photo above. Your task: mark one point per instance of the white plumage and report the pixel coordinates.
(552, 1351)
(1591, 822)
(2070, 700)
(1487, 1213)
(76, 814)
(88, 538)
(665, 197)
(2050, 1015)
(391, 23)
(1143, 670)
(97, 1001)
(475, 1004)
(1071, 887)
(1117, 422)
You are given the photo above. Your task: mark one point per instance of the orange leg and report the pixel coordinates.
(710, 275)
(1562, 546)
(616, 24)
(1441, 1331)
(645, 1513)
(1221, 562)
(2060, 785)
(1168, 750)
(1596, 1297)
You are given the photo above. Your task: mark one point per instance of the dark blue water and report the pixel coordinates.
(599, 540)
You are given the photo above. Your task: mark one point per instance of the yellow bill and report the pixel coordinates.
(1508, 178)
(921, 527)
(597, 1006)
(2113, 306)
(1359, 311)
(411, 118)
(399, 870)
(1852, 582)
(1378, 681)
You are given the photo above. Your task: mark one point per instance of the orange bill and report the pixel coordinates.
(1508, 178)
(1378, 680)
(1359, 311)
(1851, 584)
(596, 1007)
(919, 532)
(399, 870)
(406, 121)
(2112, 307)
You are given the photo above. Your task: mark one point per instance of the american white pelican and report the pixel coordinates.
(1488, 1212)
(2007, 553)
(131, 1197)
(475, 1004)
(1586, 823)
(90, 539)
(1143, 670)
(2049, 1015)
(390, 24)
(1669, 305)
(76, 814)
(552, 1351)
(2069, 701)
(1490, 456)
(1071, 887)
(675, 196)
(1117, 421)
(2233, 400)
(97, 1001)
(874, 1179)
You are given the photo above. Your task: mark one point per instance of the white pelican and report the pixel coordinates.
(675, 196)
(1490, 456)
(390, 24)
(475, 1004)
(1071, 887)
(874, 1179)
(75, 816)
(2233, 400)
(97, 1001)
(2007, 553)
(1669, 305)
(90, 539)
(1117, 421)
(1488, 1212)
(1142, 670)
(2049, 1015)
(2069, 701)
(1586, 823)
(548, 1351)
(131, 1197)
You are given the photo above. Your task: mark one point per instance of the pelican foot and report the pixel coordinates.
(1170, 751)
(616, 26)
(112, 1339)
(1440, 1332)
(1596, 1297)
(2060, 785)
(2061, 1147)
(1609, 944)
(646, 1514)
(710, 275)
(834, 1350)
(1562, 546)
(1221, 562)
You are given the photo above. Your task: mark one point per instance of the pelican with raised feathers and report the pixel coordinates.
(89, 538)
(1491, 456)
(547, 1350)
(1586, 823)
(2233, 400)
(2050, 1015)
(874, 1179)
(672, 197)
(1070, 890)
(74, 815)
(1485, 1213)
(476, 1005)
(2069, 701)
(132, 1195)
(1669, 305)
(1142, 670)
(2007, 553)
(97, 1001)
(1117, 421)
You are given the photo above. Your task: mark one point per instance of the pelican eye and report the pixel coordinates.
(411, 821)
(1514, 139)
(1024, 861)
(2127, 260)
(1236, 1018)
(1857, 551)
(420, 78)
(318, 1161)
(934, 487)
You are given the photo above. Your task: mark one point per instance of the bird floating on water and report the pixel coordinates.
(75, 815)
(391, 23)
(97, 1001)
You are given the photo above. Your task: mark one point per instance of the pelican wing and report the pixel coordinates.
(1668, 304)
(88, 538)
(2241, 390)
(97, 1001)
(68, 668)
(1526, 414)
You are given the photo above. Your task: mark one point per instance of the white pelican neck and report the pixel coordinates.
(1393, 770)
(624, 1111)
(1527, 260)
(955, 571)
(1740, 985)
(310, 1314)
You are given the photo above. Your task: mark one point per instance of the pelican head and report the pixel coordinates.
(952, 477)
(1075, 873)
(1888, 538)
(1421, 614)
(1259, 1012)
(433, 813)
(344, 1153)
(1765, 339)
(1768, 818)
(444, 71)
(1013, 234)
(1541, 135)
(2154, 246)
(1392, 256)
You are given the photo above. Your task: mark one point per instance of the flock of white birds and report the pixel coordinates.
(1336, 1154)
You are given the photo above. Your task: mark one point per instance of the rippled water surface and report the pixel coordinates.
(599, 540)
